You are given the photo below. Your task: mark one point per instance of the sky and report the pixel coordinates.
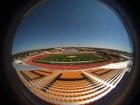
(71, 23)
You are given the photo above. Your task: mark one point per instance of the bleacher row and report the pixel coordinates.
(111, 76)
(71, 88)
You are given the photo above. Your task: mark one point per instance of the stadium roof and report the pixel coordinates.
(118, 65)
(25, 67)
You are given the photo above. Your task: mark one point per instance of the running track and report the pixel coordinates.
(66, 67)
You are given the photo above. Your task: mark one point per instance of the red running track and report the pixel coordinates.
(66, 67)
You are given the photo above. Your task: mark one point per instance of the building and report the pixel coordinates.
(70, 50)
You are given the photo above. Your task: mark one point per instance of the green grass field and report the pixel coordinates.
(72, 59)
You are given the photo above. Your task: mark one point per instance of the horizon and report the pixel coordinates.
(72, 47)
(55, 23)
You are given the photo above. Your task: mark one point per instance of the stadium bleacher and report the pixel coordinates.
(71, 87)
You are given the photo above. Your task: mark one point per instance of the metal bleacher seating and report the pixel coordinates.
(72, 88)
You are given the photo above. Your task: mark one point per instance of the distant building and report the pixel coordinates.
(70, 50)
(18, 61)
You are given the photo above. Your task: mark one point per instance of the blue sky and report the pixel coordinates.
(71, 23)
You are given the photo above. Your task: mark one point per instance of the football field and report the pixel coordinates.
(73, 58)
